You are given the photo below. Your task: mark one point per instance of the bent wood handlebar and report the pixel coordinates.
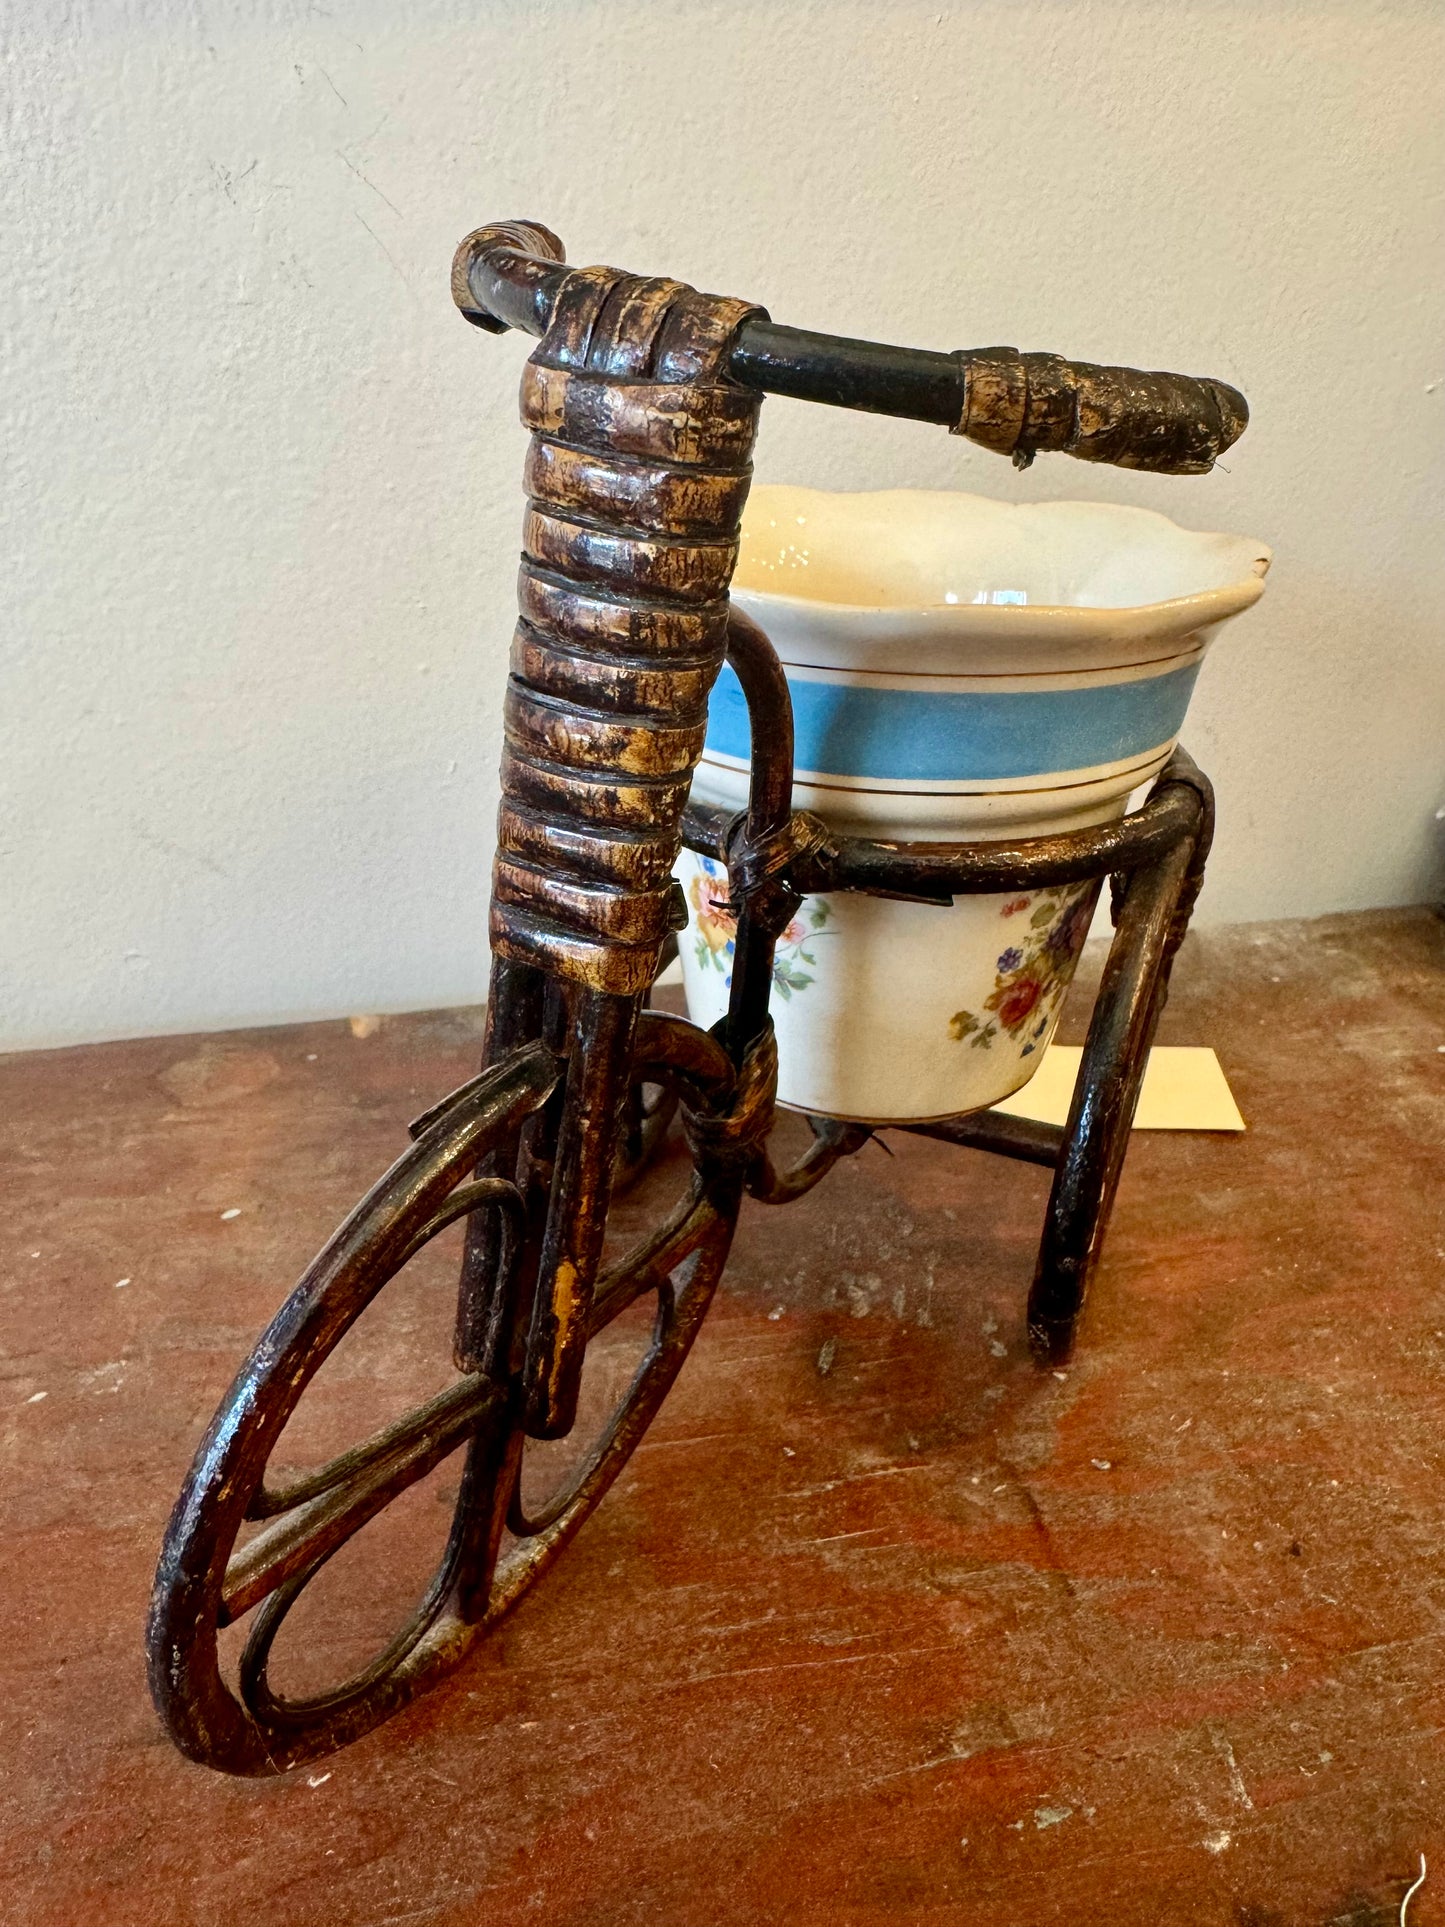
(509, 275)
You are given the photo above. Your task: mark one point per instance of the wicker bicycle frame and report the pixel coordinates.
(643, 399)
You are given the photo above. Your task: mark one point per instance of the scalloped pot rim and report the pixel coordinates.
(912, 535)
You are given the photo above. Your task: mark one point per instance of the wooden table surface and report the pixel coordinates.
(882, 1624)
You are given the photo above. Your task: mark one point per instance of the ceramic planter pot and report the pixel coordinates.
(961, 670)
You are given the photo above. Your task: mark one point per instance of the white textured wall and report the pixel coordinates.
(262, 491)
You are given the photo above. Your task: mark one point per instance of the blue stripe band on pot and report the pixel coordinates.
(854, 729)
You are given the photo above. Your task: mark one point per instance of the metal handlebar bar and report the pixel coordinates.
(509, 275)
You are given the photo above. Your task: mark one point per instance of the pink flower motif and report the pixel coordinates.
(1017, 1002)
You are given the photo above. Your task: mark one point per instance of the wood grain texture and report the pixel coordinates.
(854, 1636)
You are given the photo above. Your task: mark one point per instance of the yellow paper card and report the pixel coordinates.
(1185, 1089)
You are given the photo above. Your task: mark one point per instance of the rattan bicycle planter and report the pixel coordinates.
(643, 399)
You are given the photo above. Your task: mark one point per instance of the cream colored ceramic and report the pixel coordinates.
(965, 669)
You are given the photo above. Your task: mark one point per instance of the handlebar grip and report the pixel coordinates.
(1020, 405)
(533, 255)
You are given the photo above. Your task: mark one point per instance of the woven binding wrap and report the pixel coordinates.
(638, 468)
(733, 1140)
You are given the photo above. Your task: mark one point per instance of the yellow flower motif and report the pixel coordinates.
(716, 925)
